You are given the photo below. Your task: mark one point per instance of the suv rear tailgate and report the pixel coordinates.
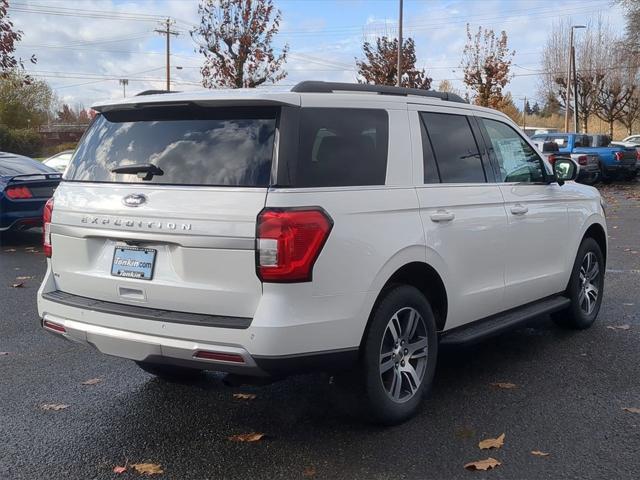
(204, 239)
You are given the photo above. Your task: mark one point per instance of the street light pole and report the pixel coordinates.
(399, 47)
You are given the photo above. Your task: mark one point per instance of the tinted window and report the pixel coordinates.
(16, 165)
(561, 140)
(342, 147)
(191, 145)
(517, 160)
(454, 147)
(431, 174)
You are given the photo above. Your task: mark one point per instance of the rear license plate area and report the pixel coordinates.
(133, 262)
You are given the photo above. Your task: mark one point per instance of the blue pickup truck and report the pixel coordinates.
(615, 160)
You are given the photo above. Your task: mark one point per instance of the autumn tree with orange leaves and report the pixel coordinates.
(235, 38)
(380, 65)
(486, 63)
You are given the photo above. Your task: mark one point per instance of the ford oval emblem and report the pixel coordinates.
(134, 200)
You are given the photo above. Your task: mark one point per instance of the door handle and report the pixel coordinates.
(442, 216)
(519, 209)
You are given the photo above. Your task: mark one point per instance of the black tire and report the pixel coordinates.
(398, 302)
(575, 316)
(171, 373)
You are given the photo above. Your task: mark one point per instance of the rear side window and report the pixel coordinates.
(342, 147)
(191, 145)
(454, 146)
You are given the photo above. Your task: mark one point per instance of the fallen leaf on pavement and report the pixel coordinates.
(491, 443)
(246, 437)
(3, 353)
(53, 406)
(244, 396)
(631, 409)
(119, 469)
(92, 381)
(309, 472)
(538, 453)
(487, 464)
(619, 327)
(147, 468)
(505, 385)
(27, 277)
(17, 285)
(9, 250)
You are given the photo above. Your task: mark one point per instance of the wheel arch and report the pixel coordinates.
(425, 278)
(598, 233)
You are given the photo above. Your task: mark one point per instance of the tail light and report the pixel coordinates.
(582, 160)
(46, 227)
(18, 193)
(220, 356)
(618, 156)
(552, 159)
(288, 242)
(637, 154)
(56, 327)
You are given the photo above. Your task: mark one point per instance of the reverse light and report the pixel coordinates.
(46, 227)
(289, 241)
(18, 193)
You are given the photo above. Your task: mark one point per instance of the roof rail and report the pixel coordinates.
(314, 86)
(154, 92)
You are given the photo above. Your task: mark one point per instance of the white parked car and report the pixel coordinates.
(336, 227)
(59, 161)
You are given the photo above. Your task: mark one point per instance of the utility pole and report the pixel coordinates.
(124, 82)
(571, 63)
(168, 32)
(524, 115)
(399, 46)
(575, 90)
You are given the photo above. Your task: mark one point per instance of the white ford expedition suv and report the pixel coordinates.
(330, 226)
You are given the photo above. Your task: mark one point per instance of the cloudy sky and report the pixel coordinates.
(84, 46)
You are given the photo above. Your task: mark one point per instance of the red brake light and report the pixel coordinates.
(582, 160)
(288, 242)
(56, 327)
(46, 227)
(618, 156)
(225, 357)
(18, 193)
(552, 159)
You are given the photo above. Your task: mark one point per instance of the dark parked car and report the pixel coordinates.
(25, 186)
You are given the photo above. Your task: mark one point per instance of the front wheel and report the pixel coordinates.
(399, 355)
(585, 288)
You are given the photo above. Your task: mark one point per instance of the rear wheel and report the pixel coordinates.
(171, 373)
(585, 287)
(399, 355)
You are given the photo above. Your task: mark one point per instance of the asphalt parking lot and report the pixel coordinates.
(569, 400)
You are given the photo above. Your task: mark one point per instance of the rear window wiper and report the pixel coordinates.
(145, 171)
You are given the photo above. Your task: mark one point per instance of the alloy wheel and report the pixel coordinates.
(589, 286)
(403, 354)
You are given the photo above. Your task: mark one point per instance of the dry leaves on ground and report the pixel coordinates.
(17, 285)
(9, 250)
(244, 396)
(246, 437)
(309, 472)
(504, 385)
(91, 381)
(492, 443)
(53, 406)
(119, 469)
(626, 326)
(538, 453)
(631, 409)
(147, 468)
(3, 354)
(487, 464)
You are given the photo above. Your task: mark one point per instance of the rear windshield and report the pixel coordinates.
(191, 145)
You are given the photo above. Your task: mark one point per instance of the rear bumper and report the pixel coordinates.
(621, 168)
(18, 213)
(277, 341)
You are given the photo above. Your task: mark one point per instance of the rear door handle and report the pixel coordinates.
(519, 209)
(442, 216)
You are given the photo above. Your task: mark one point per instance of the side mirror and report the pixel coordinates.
(565, 170)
